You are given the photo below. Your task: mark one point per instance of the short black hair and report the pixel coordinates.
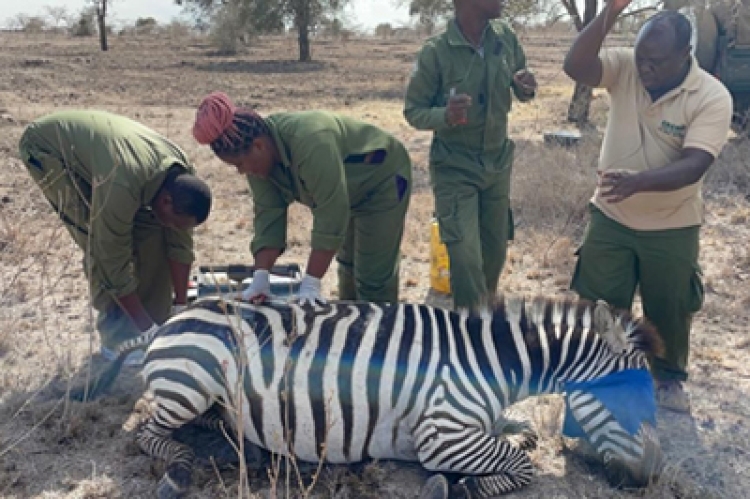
(190, 195)
(680, 24)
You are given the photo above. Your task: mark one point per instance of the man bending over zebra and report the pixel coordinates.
(346, 382)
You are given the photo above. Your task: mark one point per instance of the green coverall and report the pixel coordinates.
(470, 165)
(100, 172)
(356, 178)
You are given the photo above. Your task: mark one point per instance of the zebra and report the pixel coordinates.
(345, 382)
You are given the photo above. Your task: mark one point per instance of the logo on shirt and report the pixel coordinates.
(672, 129)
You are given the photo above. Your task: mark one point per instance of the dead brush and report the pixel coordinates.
(551, 186)
(731, 172)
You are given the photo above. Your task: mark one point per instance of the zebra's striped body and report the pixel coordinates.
(350, 381)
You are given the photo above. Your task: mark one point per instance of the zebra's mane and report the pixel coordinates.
(550, 312)
(535, 312)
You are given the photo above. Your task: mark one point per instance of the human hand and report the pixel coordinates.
(618, 5)
(456, 112)
(309, 291)
(525, 81)
(259, 289)
(617, 185)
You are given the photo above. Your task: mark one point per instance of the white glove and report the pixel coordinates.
(259, 289)
(151, 331)
(177, 308)
(309, 291)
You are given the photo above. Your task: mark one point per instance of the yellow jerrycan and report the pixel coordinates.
(440, 274)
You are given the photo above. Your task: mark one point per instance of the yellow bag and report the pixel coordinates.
(440, 274)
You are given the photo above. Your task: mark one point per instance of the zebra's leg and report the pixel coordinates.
(436, 487)
(495, 466)
(154, 425)
(629, 460)
(213, 420)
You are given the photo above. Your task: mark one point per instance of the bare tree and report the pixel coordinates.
(430, 12)
(264, 16)
(580, 104)
(100, 7)
(58, 14)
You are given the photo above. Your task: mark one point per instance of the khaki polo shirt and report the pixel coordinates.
(643, 135)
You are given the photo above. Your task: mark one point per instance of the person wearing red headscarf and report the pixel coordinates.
(355, 177)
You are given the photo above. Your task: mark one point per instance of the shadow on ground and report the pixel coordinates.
(263, 67)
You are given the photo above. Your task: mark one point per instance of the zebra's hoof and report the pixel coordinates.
(637, 474)
(436, 487)
(167, 489)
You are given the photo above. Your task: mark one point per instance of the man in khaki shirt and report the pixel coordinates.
(668, 122)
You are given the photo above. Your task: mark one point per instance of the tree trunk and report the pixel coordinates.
(302, 20)
(101, 16)
(580, 105)
(304, 44)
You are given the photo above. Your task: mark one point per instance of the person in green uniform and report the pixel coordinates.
(460, 89)
(355, 177)
(129, 198)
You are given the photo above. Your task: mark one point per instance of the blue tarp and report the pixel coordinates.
(628, 395)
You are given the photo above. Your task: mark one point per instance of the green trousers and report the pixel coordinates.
(70, 197)
(614, 261)
(475, 223)
(368, 261)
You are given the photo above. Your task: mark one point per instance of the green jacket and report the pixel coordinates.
(326, 165)
(447, 61)
(119, 166)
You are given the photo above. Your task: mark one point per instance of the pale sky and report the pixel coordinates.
(364, 13)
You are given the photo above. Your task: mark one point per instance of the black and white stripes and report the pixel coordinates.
(351, 381)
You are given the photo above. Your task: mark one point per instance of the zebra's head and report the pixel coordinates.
(629, 340)
(570, 340)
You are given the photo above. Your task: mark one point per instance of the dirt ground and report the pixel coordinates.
(52, 448)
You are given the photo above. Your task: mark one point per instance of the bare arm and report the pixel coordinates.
(582, 63)
(266, 258)
(133, 307)
(319, 261)
(687, 170)
(180, 273)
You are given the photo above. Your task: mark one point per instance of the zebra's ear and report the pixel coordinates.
(610, 330)
(603, 319)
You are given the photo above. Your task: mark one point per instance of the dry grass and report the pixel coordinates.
(51, 449)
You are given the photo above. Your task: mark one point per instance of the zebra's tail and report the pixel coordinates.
(101, 382)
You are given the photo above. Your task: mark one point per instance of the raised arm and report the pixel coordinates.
(582, 63)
